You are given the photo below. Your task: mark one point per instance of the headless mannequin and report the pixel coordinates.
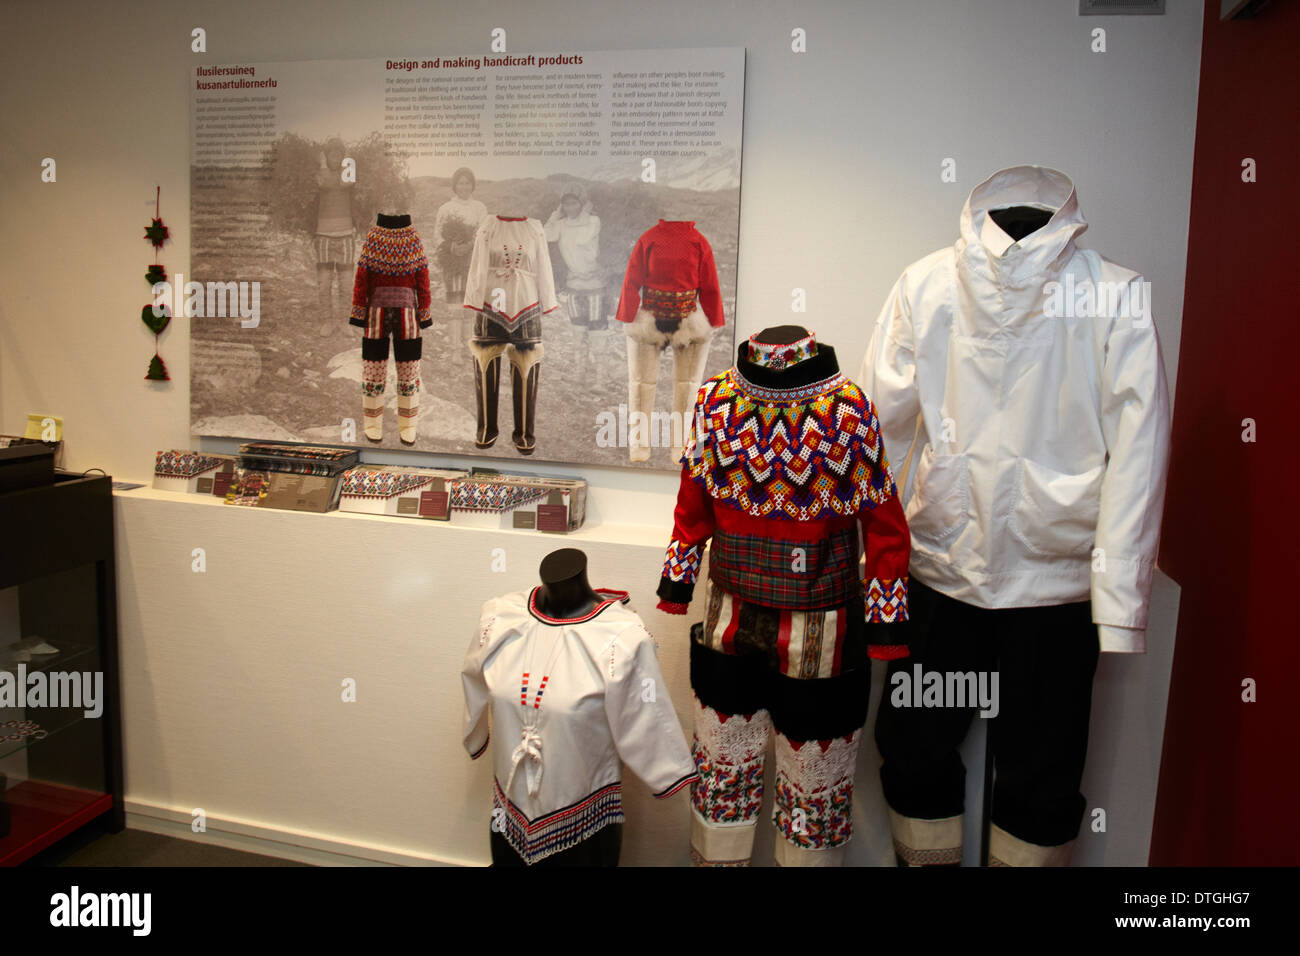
(785, 334)
(1019, 221)
(565, 593)
(819, 365)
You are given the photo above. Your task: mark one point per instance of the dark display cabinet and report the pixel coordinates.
(60, 712)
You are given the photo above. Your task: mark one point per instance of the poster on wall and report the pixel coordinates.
(517, 256)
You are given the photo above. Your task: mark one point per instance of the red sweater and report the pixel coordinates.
(780, 479)
(392, 272)
(672, 257)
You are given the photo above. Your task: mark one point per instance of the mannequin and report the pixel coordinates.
(565, 593)
(553, 681)
(1031, 554)
(1019, 221)
(782, 334)
(790, 626)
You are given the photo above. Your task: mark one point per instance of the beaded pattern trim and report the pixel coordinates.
(791, 459)
(669, 305)
(179, 463)
(798, 395)
(782, 356)
(393, 252)
(362, 483)
(536, 839)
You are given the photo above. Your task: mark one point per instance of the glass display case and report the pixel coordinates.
(60, 716)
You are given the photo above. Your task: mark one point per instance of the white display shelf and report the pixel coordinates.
(232, 678)
(628, 534)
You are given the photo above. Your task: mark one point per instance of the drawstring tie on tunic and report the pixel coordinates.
(529, 751)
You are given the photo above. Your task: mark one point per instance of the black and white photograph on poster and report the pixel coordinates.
(516, 256)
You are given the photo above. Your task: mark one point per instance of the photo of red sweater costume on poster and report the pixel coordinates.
(784, 463)
(390, 297)
(671, 299)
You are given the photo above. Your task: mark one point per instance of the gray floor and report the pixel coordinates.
(140, 848)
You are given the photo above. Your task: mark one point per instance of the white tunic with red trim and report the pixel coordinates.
(569, 699)
(510, 278)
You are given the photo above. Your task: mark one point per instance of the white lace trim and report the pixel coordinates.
(810, 769)
(736, 740)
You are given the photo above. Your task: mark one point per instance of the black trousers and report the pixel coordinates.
(600, 849)
(1046, 658)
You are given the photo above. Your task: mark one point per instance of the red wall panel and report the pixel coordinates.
(1229, 789)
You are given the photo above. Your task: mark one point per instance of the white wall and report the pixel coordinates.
(841, 190)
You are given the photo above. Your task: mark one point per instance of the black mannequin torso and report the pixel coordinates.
(782, 334)
(565, 591)
(821, 365)
(392, 222)
(1019, 221)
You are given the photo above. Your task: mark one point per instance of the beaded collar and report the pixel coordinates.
(798, 394)
(798, 383)
(607, 597)
(780, 356)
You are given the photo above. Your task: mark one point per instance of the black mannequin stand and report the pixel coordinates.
(1019, 221)
(782, 334)
(565, 593)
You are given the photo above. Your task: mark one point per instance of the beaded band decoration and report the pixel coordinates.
(781, 356)
(669, 305)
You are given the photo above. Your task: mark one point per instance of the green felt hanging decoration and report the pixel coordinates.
(156, 323)
(157, 234)
(157, 370)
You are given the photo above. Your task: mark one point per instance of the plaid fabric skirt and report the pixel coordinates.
(802, 644)
(788, 574)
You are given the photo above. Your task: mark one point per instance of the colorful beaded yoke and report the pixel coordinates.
(802, 453)
(393, 251)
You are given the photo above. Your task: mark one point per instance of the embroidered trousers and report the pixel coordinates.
(401, 326)
(522, 345)
(740, 704)
(1045, 658)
